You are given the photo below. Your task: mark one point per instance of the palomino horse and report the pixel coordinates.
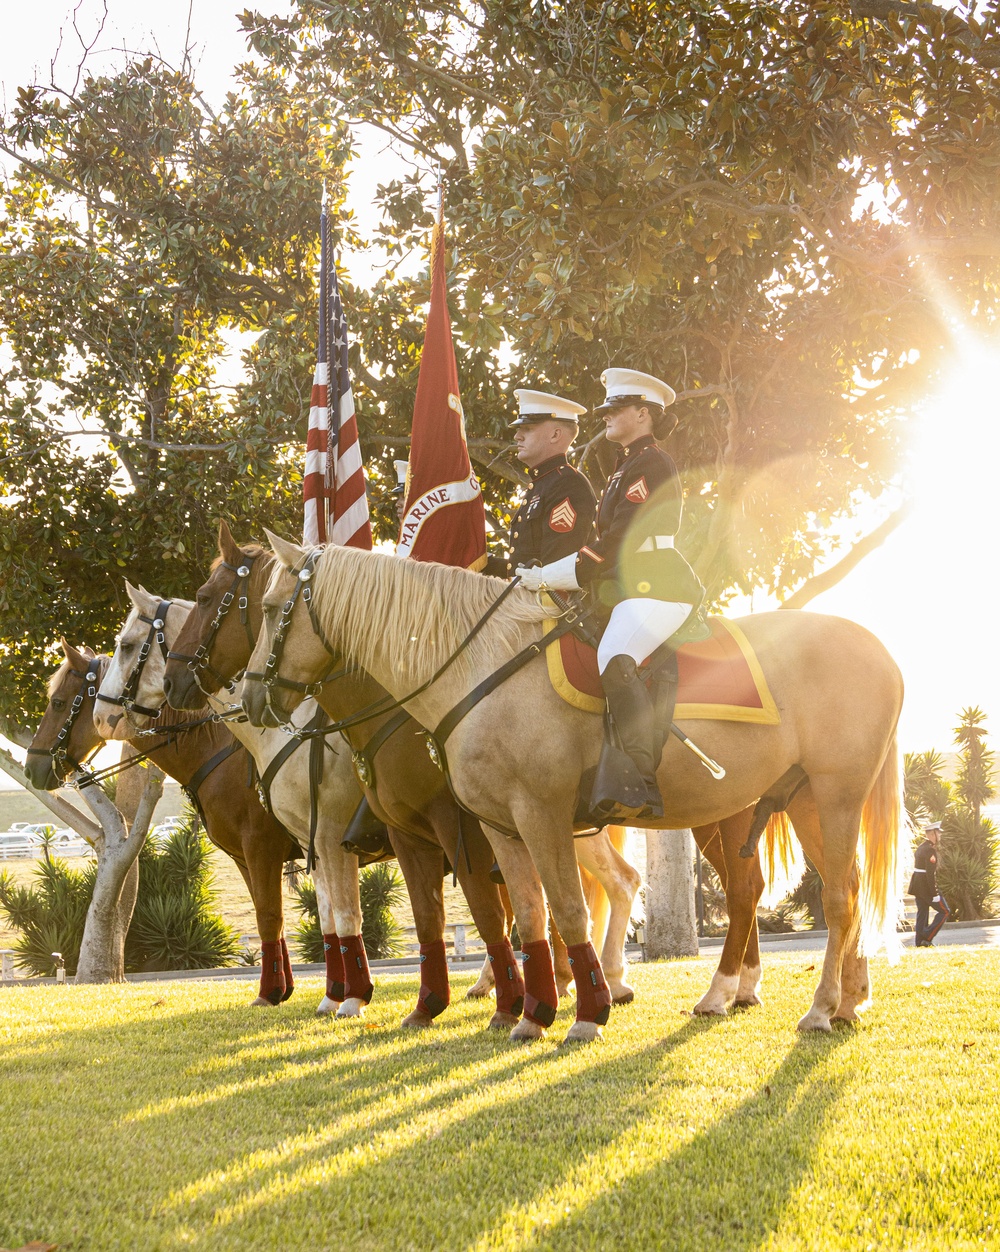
(337, 796)
(203, 761)
(517, 756)
(406, 790)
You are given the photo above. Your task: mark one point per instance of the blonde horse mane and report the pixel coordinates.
(434, 607)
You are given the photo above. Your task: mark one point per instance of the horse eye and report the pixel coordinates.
(58, 704)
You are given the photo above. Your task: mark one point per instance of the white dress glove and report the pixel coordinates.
(556, 576)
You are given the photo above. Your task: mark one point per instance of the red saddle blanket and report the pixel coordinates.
(720, 677)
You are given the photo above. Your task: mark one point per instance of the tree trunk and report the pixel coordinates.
(102, 952)
(671, 925)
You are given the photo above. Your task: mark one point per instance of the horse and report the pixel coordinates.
(206, 762)
(134, 683)
(431, 635)
(404, 789)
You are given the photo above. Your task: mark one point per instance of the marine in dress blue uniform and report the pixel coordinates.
(557, 515)
(923, 888)
(633, 568)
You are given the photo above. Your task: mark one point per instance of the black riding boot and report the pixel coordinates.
(635, 722)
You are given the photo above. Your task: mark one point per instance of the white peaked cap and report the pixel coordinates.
(630, 384)
(541, 404)
(401, 468)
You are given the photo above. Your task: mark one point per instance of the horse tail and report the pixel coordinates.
(883, 825)
(782, 862)
(597, 898)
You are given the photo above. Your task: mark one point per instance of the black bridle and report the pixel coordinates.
(58, 753)
(200, 662)
(269, 678)
(127, 698)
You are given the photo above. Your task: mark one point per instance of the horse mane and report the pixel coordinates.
(101, 658)
(251, 550)
(434, 607)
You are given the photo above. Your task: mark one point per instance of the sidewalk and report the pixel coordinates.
(986, 933)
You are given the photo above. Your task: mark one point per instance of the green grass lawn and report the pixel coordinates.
(171, 1115)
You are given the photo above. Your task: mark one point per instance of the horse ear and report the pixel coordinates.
(229, 549)
(288, 553)
(135, 594)
(69, 652)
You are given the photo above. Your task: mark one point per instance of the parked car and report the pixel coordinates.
(163, 830)
(16, 845)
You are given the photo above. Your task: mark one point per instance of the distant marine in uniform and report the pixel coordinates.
(557, 516)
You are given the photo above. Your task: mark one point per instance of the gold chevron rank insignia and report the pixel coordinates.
(563, 517)
(637, 492)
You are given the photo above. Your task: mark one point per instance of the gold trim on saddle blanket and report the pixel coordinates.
(766, 715)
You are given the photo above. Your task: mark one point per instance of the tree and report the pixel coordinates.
(968, 870)
(755, 200)
(139, 229)
(969, 844)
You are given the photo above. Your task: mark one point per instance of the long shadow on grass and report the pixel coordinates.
(728, 1187)
(163, 1103)
(417, 1180)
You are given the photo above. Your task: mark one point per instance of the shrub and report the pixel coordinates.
(381, 891)
(173, 925)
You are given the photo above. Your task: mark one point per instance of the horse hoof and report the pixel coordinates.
(815, 1020)
(417, 1020)
(351, 1008)
(562, 988)
(583, 1032)
(709, 1008)
(526, 1030)
(261, 1002)
(751, 1002)
(327, 1006)
(479, 992)
(625, 996)
(503, 1021)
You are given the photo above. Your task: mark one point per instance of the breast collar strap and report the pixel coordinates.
(239, 592)
(157, 623)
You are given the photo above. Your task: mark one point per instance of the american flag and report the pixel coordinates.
(336, 505)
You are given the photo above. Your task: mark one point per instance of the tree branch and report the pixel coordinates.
(52, 800)
(813, 587)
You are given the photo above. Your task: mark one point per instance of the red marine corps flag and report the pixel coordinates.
(443, 518)
(333, 488)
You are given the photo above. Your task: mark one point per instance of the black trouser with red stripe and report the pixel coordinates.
(923, 932)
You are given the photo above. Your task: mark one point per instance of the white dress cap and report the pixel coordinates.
(631, 385)
(401, 468)
(536, 406)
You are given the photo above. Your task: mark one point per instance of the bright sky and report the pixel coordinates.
(928, 593)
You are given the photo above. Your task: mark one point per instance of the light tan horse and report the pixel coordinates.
(518, 755)
(335, 874)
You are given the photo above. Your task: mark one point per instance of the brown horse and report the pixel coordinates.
(405, 791)
(517, 756)
(203, 760)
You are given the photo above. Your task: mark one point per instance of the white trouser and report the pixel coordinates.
(638, 627)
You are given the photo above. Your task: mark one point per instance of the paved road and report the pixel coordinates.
(966, 934)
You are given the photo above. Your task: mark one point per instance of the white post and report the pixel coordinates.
(460, 939)
(6, 964)
(671, 925)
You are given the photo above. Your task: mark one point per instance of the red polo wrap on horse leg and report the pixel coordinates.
(357, 978)
(593, 996)
(541, 1000)
(272, 972)
(507, 976)
(286, 964)
(435, 994)
(334, 968)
